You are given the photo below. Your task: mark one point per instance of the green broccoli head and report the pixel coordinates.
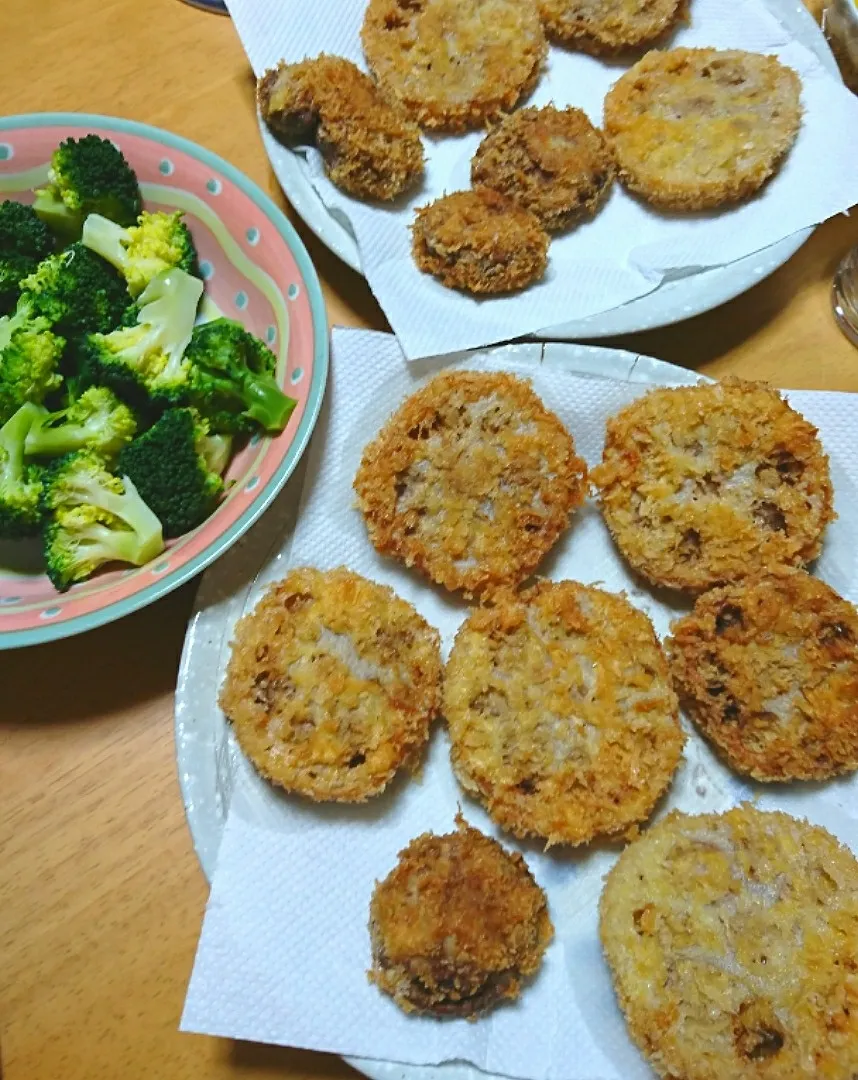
(87, 176)
(29, 358)
(96, 420)
(20, 483)
(93, 518)
(232, 381)
(158, 242)
(76, 291)
(24, 242)
(169, 466)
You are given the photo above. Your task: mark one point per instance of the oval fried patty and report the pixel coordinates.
(733, 944)
(369, 146)
(454, 64)
(562, 717)
(768, 670)
(472, 480)
(457, 925)
(598, 26)
(332, 684)
(552, 162)
(479, 242)
(694, 129)
(702, 485)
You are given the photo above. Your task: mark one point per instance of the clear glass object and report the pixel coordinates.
(844, 295)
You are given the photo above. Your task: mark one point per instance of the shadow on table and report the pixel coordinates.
(250, 1058)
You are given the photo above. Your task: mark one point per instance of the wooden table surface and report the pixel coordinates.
(101, 896)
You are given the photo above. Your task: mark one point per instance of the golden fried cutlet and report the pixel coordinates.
(369, 146)
(703, 485)
(768, 670)
(454, 64)
(609, 26)
(479, 242)
(733, 944)
(552, 162)
(332, 684)
(694, 129)
(457, 926)
(471, 481)
(562, 717)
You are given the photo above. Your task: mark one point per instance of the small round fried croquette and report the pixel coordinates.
(703, 485)
(695, 129)
(552, 162)
(607, 26)
(457, 926)
(562, 717)
(768, 670)
(733, 944)
(471, 481)
(332, 685)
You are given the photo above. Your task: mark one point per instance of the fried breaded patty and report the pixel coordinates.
(457, 925)
(562, 716)
(552, 162)
(454, 64)
(733, 944)
(768, 670)
(332, 684)
(369, 146)
(598, 26)
(703, 485)
(479, 242)
(694, 129)
(471, 481)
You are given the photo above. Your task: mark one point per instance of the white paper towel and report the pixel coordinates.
(285, 946)
(628, 249)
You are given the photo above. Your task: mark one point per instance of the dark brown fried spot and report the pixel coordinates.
(833, 633)
(690, 545)
(729, 615)
(757, 1032)
(770, 515)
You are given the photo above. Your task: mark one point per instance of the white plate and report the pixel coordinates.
(208, 758)
(672, 302)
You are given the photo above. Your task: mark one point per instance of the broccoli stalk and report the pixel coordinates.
(20, 484)
(93, 518)
(24, 242)
(29, 356)
(76, 291)
(158, 242)
(97, 420)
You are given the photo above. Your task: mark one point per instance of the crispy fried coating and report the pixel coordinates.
(457, 926)
(768, 670)
(479, 242)
(562, 717)
(454, 64)
(471, 481)
(332, 684)
(369, 146)
(733, 944)
(609, 26)
(703, 485)
(552, 162)
(695, 129)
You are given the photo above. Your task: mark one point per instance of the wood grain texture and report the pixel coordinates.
(101, 897)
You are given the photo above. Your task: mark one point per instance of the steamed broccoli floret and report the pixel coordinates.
(169, 466)
(93, 518)
(145, 361)
(76, 291)
(20, 484)
(97, 420)
(24, 242)
(232, 380)
(87, 176)
(29, 356)
(158, 242)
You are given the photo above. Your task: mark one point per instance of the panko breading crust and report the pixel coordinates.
(479, 242)
(457, 925)
(694, 129)
(768, 670)
(370, 147)
(733, 944)
(562, 717)
(706, 484)
(332, 684)
(471, 481)
(454, 64)
(608, 26)
(553, 162)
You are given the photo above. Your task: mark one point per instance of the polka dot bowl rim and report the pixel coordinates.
(305, 356)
